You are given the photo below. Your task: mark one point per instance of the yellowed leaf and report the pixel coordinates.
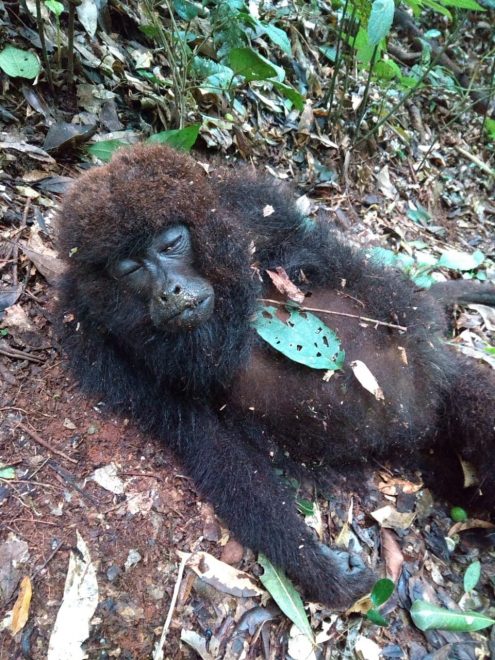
(20, 611)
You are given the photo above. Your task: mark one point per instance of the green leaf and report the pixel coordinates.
(248, 63)
(490, 127)
(290, 93)
(383, 257)
(7, 472)
(419, 215)
(387, 70)
(186, 10)
(105, 149)
(375, 617)
(303, 338)
(19, 63)
(472, 576)
(285, 595)
(181, 138)
(330, 52)
(382, 591)
(427, 616)
(306, 507)
(55, 7)
(380, 20)
(457, 260)
(277, 35)
(458, 514)
(463, 4)
(436, 6)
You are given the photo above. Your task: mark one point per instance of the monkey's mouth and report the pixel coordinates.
(188, 314)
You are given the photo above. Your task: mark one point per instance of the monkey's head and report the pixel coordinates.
(146, 238)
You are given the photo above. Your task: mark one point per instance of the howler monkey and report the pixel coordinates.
(166, 266)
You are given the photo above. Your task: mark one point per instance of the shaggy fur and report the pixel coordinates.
(220, 397)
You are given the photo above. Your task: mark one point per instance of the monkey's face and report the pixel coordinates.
(163, 277)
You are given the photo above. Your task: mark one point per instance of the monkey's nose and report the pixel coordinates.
(166, 295)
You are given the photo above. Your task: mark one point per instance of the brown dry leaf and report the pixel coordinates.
(367, 380)
(361, 606)
(390, 485)
(223, 577)
(43, 257)
(392, 554)
(16, 317)
(283, 284)
(389, 517)
(20, 611)
(470, 524)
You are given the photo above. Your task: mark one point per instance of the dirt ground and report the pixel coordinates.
(56, 440)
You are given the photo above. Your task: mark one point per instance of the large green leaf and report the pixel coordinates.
(380, 20)
(105, 149)
(248, 63)
(285, 595)
(303, 338)
(427, 616)
(464, 4)
(19, 63)
(456, 260)
(181, 138)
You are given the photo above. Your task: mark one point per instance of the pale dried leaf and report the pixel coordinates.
(367, 380)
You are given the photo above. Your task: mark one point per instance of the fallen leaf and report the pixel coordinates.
(20, 611)
(367, 380)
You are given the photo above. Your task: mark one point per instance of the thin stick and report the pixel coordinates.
(366, 319)
(37, 438)
(158, 652)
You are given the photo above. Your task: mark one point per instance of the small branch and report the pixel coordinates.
(158, 651)
(44, 52)
(365, 319)
(37, 438)
(483, 166)
(19, 355)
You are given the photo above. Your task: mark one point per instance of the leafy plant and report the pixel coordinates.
(380, 593)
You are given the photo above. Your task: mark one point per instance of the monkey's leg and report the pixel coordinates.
(261, 512)
(470, 424)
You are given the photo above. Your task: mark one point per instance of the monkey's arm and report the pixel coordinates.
(259, 510)
(464, 292)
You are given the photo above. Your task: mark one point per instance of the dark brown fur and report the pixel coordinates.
(219, 396)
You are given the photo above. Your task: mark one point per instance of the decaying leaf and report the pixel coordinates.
(79, 603)
(388, 516)
(20, 611)
(223, 577)
(367, 380)
(283, 284)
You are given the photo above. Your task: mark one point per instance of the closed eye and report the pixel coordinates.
(168, 247)
(127, 267)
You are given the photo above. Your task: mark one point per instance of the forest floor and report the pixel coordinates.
(70, 470)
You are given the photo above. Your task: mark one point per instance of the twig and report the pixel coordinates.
(21, 355)
(366, 319)
(37, 438)
(44, 52)
(483, 166)
(47, 561)
(15, 251)
(158, 651)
